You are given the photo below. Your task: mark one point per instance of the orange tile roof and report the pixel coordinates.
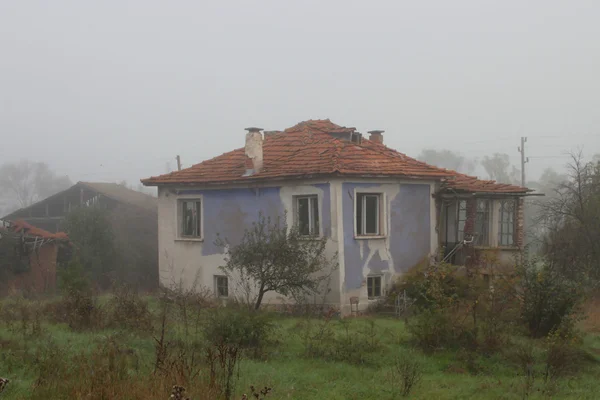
(30, 230)
(466, 183)
(309, 149)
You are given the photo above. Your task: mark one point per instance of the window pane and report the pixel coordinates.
(371, 215)
(190, 218)
(461, 220)
(374, 286)
(222, 287)
(482, 221)
(314, 201)
(303, 218)
(506, 223)
(197, 215)
(359, 206)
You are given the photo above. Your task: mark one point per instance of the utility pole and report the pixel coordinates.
(524, 159)
(178, 163)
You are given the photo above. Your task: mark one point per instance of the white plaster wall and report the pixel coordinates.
(181, 261)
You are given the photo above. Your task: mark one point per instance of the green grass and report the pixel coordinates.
(293, 375)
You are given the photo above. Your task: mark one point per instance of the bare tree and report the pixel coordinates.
(448, 159)
(25, 182)
(572, 219)
(499, 168)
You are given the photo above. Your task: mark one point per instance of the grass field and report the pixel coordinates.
(447, 374)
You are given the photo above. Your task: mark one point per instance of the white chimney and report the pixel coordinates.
(254, 151)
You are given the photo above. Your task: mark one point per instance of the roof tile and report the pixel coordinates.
(308, 149)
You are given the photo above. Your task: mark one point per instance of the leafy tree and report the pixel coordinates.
(448, 159)
(499, 168)
(24, 183)
(91, 233)
(271, 257)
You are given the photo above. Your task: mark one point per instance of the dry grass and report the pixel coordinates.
(591, 322)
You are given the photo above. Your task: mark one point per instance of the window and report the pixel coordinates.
(190, 212)
(307, 215)
(461, 219)
(374, 286)
(482, 223)
(506, 223)
(221, 286)
(368, 214)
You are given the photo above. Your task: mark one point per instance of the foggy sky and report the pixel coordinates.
(112, 90)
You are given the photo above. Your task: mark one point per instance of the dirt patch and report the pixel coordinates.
(455, 369)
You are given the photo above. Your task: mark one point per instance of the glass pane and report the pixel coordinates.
(462, 210)
(187, 218)
(461, 220)
(372, 215)
(303, 224)
(359, 202)
(315, 214)
(482, 222)
(197, 216)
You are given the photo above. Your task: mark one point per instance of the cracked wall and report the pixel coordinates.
(407, 241)
(227, 213)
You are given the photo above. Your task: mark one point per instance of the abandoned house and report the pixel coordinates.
(133, 216)
(29, 258)
(382, 211)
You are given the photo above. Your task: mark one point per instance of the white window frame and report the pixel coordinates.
(179, 221)
(216, 284)
(381, 213)
(311, 222)
(381, 289)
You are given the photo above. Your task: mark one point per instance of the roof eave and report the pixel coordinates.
(155, 183)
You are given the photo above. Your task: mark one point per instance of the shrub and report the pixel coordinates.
(562, 352)
(78, 308)
(433, 286)
(249, 330)
(548, 297)
(126, 309)
(405, 374)
(351, 341)
(432, 329)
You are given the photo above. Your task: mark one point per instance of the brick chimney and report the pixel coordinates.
(376, 136)
(254, 151)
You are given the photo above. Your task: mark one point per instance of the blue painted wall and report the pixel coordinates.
(229, 212)
(409, 232)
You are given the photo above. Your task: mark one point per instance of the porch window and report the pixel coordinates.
(190, 218)
(307, 215)
(506, 223)
(482, 223)
(221, 286)
(368, 214)
(374, 287)
(461, 219)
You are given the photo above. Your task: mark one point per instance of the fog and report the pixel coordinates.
(114, 90)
